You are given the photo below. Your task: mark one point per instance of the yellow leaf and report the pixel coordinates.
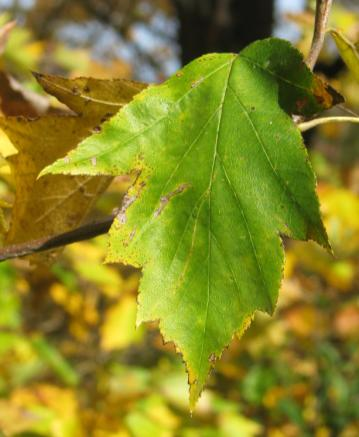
(119, 329)
(347, 51)
(6, 146)
(43, 409)
(56, 204)
(341, 216)
(51, 204)
(88, 95)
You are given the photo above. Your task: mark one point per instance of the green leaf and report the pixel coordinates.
(221, 173)
(348, 51)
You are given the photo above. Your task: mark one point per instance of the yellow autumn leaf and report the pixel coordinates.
(340, 208)
(56, 204)
(26, 409)
(119, 328)
(48, 205)
(86, 95)
(6, 146)
(348, 51)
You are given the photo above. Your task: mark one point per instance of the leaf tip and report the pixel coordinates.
(195, 390)
(37, 75)
(320, 236)
(58, 167)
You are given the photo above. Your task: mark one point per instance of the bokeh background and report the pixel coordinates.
(72, 363)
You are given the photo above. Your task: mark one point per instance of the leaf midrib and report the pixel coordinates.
(215, 154)
(86, 97)
(155, 123)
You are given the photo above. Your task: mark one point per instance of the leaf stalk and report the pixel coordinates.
(318, 121)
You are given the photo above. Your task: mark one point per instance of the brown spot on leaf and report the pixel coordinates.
(165, 199)
(130, 238)
(301, 104)
(212, 358)
(325, 95)
(106, 117)
(127, 202)
(132, 234)
(196, 82)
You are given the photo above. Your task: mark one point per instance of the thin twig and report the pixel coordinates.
(348, 110)
(317, 121)
(321, 19)
(82, 233)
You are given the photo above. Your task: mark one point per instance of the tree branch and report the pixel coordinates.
(82, 233)
(321, 19)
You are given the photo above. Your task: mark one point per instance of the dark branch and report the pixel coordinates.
(82, 233)
(321, 19)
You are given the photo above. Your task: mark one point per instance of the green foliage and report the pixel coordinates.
(221, 172)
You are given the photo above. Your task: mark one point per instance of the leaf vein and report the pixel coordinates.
(215, 153)
(155, 123)
(249, 233)
(284, 185)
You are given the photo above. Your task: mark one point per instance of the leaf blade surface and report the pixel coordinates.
(221, 173)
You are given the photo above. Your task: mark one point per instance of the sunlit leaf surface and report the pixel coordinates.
(221, 174)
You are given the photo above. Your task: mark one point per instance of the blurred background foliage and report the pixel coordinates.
(72, 362)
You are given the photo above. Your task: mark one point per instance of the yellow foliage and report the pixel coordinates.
(41, 408)
(51, 204)
(119, 329)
